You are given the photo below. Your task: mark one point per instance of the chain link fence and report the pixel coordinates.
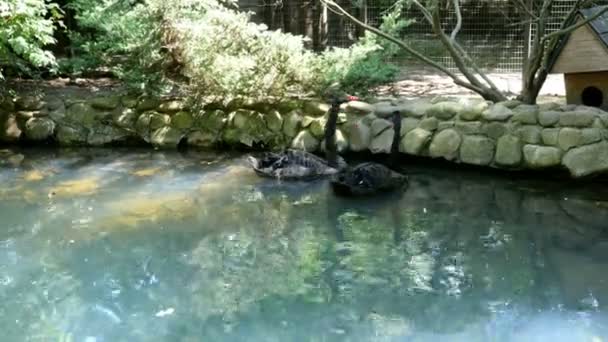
(494, 32)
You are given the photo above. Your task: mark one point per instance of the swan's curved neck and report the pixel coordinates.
(330, 135)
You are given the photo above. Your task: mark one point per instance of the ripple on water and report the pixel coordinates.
(161, 246)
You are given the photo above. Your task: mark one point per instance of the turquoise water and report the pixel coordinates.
(99, 245)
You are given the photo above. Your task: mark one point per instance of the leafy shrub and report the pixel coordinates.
(24, 32)
(226, 56)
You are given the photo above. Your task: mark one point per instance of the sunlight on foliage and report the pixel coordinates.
(26, 27)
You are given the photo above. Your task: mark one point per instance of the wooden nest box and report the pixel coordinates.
(583, 59)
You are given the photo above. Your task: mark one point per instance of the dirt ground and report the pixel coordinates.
(411, 85)
(429, 84)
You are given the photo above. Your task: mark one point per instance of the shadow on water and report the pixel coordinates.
(139, 245)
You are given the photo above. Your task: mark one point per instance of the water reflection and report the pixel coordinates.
(105, 245)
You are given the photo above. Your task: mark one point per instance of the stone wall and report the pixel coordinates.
(507, 135)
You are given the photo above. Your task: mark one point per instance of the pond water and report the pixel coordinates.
(124, 245)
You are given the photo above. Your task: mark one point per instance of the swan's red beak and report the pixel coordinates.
(352, 98)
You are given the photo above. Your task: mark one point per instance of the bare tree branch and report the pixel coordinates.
(334, 7)
(526, 9)
(424, 10)
(458, 20)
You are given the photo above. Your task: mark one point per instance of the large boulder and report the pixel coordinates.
(445, 144)
(103, 135)
(158, 120)
(172, 106)
(201, 139)
(587, 160)
(166, 137)
(182, 120)
(30, 102)
(590, 135)
(384, 109)
(39, 129)
(477, 150)
(548, 118)
(465, 127)
(81, 113)
(105, 102)
(317, 127)
(444, 110)
(382, 143)
(147, 103)
(508, 151)
(568, 138)
(549, 136)
(358, 107)
(538, 157)
(414, 108)
(472, 109)
(292, 123)
(69, 136)
(211, 120)
(359, 136)
(525, 114)
(341, 142)
(407, 125)
(530, 134)
(379, 126)
(305, 141)
(274, 121)
(315, 108)
(497, 112)
(494, 130)
(125, 118)
(430, 124)
(414, 141)
(576, 119)
(9, 129)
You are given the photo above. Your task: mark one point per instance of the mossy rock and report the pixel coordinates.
(39, 129)
(445, 110)
(105, 102)
(173, 106)
(274, 120)
(182, 120)
(211, 120)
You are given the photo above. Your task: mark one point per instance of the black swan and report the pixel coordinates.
(293, 165)
(301, 165)
(371, 178)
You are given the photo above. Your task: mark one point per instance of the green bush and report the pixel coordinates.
(26, 27)
(206, 48)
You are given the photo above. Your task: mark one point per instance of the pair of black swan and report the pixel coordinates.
(360, 180)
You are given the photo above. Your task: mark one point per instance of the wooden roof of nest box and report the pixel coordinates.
(583, 59)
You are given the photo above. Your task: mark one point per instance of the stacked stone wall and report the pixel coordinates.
(508, 135)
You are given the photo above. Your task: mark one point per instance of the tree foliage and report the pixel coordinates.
(208, 48)
(26, 28)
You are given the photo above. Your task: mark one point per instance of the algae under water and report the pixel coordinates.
(100, 245)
